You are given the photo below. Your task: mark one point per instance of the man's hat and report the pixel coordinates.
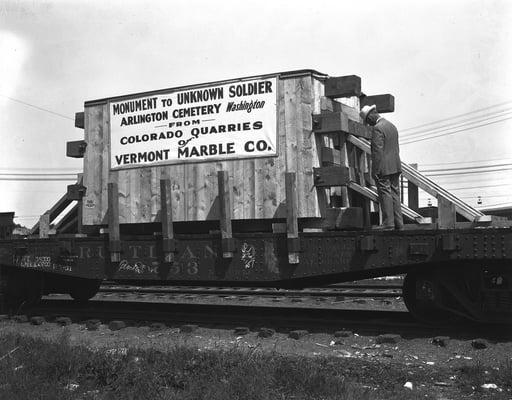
(365, 111)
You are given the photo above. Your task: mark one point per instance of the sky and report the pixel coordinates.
(446, 61)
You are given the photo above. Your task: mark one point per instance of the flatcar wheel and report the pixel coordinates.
(421, 293)
(84, 290)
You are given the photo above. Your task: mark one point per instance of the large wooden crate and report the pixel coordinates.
(257, 185)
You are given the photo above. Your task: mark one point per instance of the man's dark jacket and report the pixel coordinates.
(385, 151)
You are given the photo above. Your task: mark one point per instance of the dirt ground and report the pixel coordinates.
(441, 363)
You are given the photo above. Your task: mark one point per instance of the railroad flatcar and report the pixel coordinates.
(256, 181)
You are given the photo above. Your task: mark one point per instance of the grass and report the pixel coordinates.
(37, 369)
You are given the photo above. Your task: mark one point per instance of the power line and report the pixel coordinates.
(465, 162)
(470, 172)
(37, 107)
(451, 133)
(39, 174)
(37, 169)
(495, 205)
(450, 126)
(466, 168)
(38, 179)
(477, 187)
(456, 116)
(483, 196)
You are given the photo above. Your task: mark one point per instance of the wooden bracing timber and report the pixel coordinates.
(59, 207)
(292, 225)
(113, 223)
(372, 195)
(384, 102)
(44, 225)
(69, 221)
(225, 211)
(168, 241)
(426, 184)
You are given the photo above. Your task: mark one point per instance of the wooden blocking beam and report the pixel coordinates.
(76, 149)
(168, 241)
(76, 192)
(228, 243)
(331, 176)
(80, 120)
(385, 102)
(292, 224)
(359, 130)
(331, 122)
(113, 223)
(446, 213)
(338, 122)
(343, 86)
(330, 157)
(412, 193)
(44, 225)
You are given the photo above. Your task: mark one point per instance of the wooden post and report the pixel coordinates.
(446, 213)
(79, 216)
(228, 244)
(412, 193)
(292, 224)
(80, 211)
(345, 202)
(168, 242)
(113, 223)
(44, 225)
(361, 158)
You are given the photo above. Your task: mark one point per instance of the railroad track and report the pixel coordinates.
(347, 290)
(281, 319)
(222, 315)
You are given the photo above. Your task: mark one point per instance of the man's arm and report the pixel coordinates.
(377, 150)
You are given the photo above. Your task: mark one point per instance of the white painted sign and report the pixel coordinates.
(221, 122)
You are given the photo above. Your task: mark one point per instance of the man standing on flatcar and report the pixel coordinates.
(386, 166)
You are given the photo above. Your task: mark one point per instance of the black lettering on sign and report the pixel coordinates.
(134, 106)
(250, 88)
(260, 145)
(206, 150)
(144, 118)
(244, 105)
(196, 96)
(137, 158)
(150, 137)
